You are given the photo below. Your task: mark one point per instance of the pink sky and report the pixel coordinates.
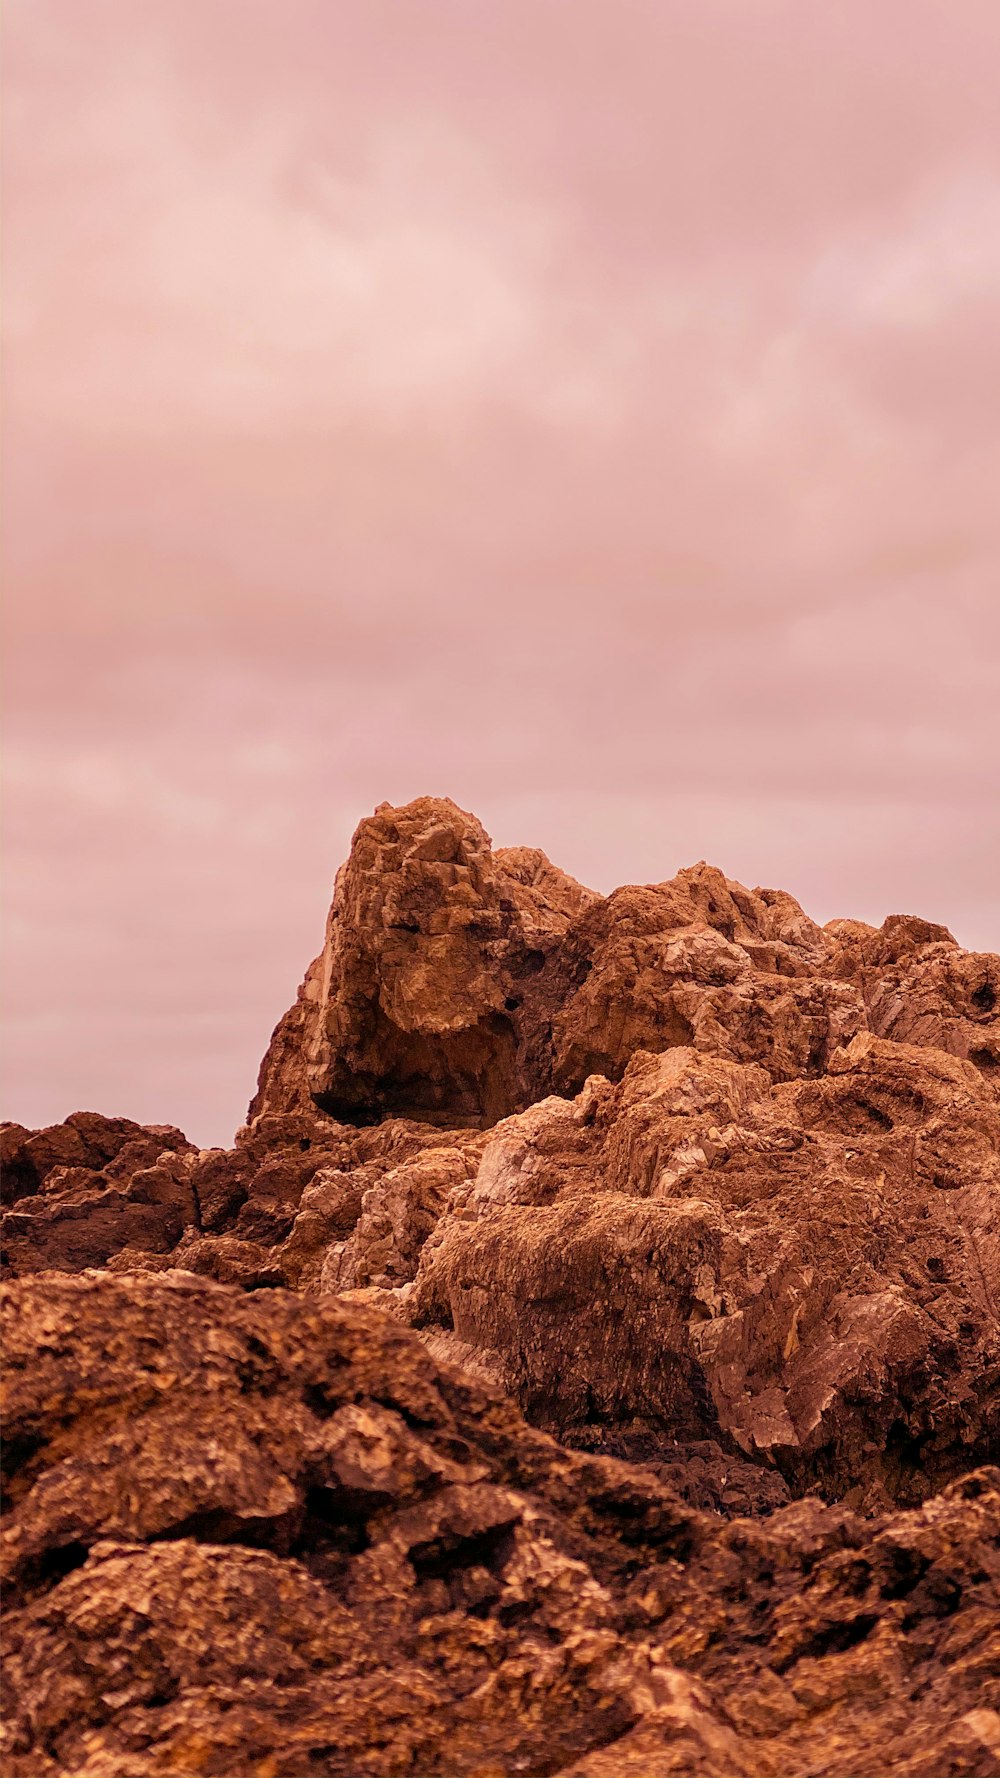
(586, 409)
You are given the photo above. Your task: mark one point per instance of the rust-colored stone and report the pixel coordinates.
(261, 1533)
(705, 1191)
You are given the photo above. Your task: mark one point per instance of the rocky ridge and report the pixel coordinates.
(584, 1361)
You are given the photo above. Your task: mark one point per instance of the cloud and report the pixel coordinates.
(586, 413)
(944, 253)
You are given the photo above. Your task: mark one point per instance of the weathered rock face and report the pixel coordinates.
(428, 995)
(809, 1270)
(83, 1189)
(702, 962)
(266, 1534)
(458, 985)
(113, 1146)
(711, 1193)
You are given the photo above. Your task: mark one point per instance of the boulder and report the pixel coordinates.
(77, 1212)
(808, 1271)
(434, 977)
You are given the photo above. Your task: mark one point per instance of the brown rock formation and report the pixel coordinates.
(83, 1189)
(809, 1270)
(261, 1534)
(458, 985)
(711, 1193)
(113, 1146)
(429, 993)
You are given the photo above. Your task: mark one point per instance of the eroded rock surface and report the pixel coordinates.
(432, 988)
(809, 1270)
(459, 985)
(266, 1533)
(706, 1192)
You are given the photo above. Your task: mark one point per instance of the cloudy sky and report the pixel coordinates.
(586, 409)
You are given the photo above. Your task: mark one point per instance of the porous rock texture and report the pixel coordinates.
(585, 1361)
(256, 1532)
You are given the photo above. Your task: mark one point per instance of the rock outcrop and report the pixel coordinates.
(705, 1192)
(268, 1534)
(809, 1270)
(430, 996)
(458, 985)
(82, 1190)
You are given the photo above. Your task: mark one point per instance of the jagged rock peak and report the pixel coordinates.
(423, 1001)
(458, 985)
